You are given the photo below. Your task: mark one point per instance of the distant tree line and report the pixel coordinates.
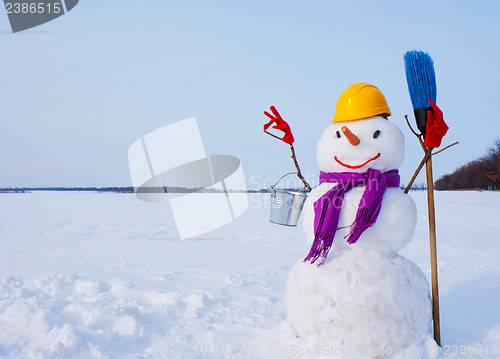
(69, 189)
(416, 187)
(127, 190)
(12, 190)
(481, 174)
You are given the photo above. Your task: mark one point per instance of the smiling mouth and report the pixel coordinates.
(359, 166)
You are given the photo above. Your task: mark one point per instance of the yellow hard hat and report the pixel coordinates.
(360, 101)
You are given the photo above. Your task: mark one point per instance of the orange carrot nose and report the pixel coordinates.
(351, 137)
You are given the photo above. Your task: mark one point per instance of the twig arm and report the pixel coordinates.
(411, 128)
(419, 136)
(270, 134)
(427, 155)
(299, 174)
(427, 151)
(441, 150)
(417, 171)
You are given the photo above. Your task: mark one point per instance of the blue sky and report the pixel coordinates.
(78, 91)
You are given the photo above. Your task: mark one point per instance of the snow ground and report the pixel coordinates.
(103, 275)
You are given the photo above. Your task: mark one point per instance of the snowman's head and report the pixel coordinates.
(355, 146)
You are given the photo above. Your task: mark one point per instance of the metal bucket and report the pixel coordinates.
(286, 205)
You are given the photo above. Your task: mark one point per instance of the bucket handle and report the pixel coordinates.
(287, 174)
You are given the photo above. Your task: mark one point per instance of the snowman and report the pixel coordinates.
(353, 292)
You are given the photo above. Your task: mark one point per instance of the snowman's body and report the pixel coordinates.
(392, 231)
(365, 297)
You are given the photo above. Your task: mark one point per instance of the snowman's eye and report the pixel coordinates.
(338, 134)
(376, 134)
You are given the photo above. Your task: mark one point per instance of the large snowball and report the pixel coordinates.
(360, 300)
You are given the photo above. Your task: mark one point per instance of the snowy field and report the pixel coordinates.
(103, 275)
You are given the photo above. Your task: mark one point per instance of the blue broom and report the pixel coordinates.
(421, 80)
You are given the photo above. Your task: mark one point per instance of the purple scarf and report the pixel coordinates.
(327, 208)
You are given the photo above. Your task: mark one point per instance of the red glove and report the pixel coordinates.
(280, 125)
(435, 127)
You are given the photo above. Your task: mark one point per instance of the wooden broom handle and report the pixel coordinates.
(433, 248)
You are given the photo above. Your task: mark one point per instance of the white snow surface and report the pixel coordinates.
(93, 275)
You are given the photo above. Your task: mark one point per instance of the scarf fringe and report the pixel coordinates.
(364, 220)
(320, 248)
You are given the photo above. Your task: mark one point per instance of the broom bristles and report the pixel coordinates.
(421, 78)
